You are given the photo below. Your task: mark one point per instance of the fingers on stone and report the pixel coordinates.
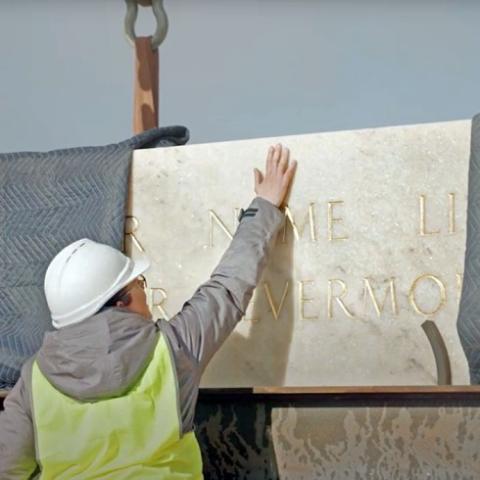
(258, 177)
(269, 162)
(289, 173)
(277, 153)
(283, 164)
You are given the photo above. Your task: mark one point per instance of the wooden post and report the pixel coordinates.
(145, 107)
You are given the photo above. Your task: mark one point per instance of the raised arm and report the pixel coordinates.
(207, 319)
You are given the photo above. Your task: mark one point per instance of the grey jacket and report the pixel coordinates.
(104, 355)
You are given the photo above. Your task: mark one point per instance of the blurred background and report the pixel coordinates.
(232, 69)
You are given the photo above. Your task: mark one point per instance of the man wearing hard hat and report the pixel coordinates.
(112, 395)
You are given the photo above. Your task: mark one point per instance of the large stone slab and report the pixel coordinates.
(373, 245)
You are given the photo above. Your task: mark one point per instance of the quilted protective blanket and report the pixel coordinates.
(48, 200)
(468, 322)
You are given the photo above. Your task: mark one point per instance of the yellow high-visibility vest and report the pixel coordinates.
(135, 436)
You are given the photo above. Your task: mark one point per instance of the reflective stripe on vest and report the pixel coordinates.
(135, 436)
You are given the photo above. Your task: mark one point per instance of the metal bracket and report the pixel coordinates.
(440, 352)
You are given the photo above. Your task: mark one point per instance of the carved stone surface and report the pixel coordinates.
(377, 248)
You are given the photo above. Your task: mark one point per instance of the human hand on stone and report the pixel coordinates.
(279, 171)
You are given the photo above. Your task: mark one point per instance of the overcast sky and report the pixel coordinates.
(234, 69)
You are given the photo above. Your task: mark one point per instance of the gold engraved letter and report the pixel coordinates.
(297, 229)
(331, 296)
(459, 277)
(443, 294)
(423, 219)
(379, 308)
(275, 311)
(214, 218)
(451, 213)
(131, 226)
(331, 220)
(154, 302)
(304, 300)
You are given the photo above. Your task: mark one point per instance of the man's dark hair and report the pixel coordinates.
(121, 296)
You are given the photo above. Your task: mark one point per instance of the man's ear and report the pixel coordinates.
(124, 301)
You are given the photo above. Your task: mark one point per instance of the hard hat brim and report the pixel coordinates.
(141, 265)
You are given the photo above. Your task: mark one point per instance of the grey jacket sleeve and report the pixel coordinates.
(207, 319)
(17, 444)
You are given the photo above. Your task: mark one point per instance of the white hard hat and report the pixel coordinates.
(83, 276)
